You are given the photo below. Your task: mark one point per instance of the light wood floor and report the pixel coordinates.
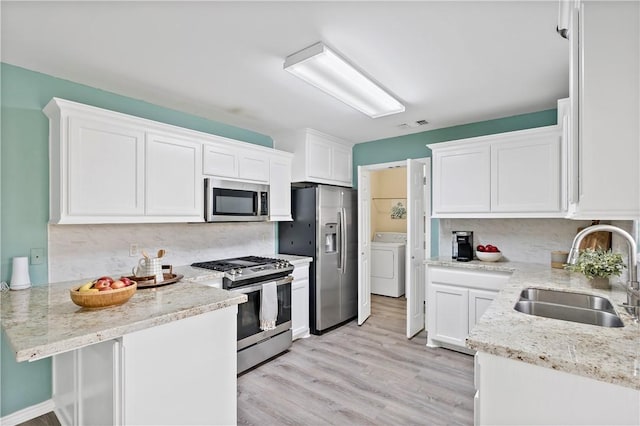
(357, 375)
(367, 375)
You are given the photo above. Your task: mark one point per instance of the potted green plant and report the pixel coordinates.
(598, 265)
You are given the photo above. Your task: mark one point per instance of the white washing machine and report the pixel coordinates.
(387, 263)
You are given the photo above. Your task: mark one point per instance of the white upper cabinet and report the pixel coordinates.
(280, 187)
(461, 179)
(108, 167)
(514, 174)
(221, 160)
(604, 178)
(230, 159)
(99, 170)
(174, 184)
(318, 157)
(526, 174)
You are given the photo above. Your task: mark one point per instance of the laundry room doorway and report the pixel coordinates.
(393, 231)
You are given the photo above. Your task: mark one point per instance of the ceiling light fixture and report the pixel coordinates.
(325, 69)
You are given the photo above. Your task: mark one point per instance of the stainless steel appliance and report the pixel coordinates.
(325, 227)
(462, 246)
(230, 201)
(246, 275)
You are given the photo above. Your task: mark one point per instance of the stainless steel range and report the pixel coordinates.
(247, 275)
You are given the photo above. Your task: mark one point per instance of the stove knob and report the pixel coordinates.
(239, 271)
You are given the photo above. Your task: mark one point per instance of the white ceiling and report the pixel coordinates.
(451, 62)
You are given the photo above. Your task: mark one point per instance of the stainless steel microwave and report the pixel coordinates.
(230, 201)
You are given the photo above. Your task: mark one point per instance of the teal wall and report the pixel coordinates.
(24, 200)
(414, 145)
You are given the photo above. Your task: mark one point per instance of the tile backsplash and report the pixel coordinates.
(524, 240)
(81, 251)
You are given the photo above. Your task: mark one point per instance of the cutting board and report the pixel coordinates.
(600, 239)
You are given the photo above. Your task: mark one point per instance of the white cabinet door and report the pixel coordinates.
(174, 178)
(456, 299)
(319, 156)
(449, 323)
(300, 301)
(341, 164)
(609, 107)
(220, 160)
(105, 170)
(525, 174)
(479, 301)
(253, 166)
(183, 372)
(280, 188)
(461, 180)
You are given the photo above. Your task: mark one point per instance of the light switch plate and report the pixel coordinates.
(37, 256)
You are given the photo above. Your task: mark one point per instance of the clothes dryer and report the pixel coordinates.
(388, 263)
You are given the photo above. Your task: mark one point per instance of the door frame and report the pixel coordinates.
(365, 231)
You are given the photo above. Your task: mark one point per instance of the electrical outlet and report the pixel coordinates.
(133, 249)
(37, 256)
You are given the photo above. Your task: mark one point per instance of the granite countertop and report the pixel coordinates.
(43, 321)
(607, 354)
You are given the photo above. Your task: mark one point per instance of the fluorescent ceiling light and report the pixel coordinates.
(323, 68)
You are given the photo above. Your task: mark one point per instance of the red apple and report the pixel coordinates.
(126, 281)
(480, 248)
(101, 284)
(105, 289)
(118, 284)
(106, 278)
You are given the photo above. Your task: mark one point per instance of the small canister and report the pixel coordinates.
(558, 259)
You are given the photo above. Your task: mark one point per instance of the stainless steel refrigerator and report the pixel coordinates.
(325, 227)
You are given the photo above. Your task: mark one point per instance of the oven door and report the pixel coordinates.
(249, 332)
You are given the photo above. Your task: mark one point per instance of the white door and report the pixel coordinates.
(364, 245)
(416, 246)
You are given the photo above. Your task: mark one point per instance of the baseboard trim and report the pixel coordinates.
(28, 413)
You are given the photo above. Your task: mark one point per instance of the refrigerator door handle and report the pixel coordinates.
(339, 242)
(343, 240)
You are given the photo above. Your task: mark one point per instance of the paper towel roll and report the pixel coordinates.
(20, 274)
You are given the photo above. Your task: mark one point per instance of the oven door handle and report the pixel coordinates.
(286, 280)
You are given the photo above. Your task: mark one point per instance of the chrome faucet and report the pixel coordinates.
(633, 288)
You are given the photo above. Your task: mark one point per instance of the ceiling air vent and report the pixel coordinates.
(413, 124)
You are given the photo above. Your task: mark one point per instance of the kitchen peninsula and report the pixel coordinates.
(167, 356)
(536, 370)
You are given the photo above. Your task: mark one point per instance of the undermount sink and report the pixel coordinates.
(567, 306)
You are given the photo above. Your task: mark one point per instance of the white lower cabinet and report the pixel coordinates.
(300, 301)
(182, 372)
(511, 392)
(456, 299)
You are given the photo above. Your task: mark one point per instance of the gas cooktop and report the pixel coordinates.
(247, 270)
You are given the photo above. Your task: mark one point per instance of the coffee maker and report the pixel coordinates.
(462, 246)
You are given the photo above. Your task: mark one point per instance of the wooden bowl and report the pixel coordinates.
(103, 298)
